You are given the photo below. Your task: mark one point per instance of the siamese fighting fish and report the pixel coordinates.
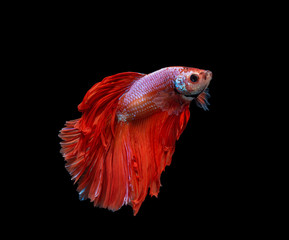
(126, 135)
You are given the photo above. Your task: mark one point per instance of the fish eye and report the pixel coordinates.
(194, 78)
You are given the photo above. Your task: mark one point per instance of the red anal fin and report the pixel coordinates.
(152, 149)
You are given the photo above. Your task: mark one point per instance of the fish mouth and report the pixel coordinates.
(190, 96)
(195, 95)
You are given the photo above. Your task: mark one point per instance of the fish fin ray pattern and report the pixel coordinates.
(93, 144)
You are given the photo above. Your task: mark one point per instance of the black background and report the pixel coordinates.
(193, 170)
(199, 180)
(215, 182)
(204, 185)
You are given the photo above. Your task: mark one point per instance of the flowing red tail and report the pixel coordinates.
(115, 162)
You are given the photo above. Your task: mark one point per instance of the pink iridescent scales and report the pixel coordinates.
(139, 101)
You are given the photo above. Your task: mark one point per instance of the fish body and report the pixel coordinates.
(156, 92)
(126, 136)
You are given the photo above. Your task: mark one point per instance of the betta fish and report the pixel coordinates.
(126, 135)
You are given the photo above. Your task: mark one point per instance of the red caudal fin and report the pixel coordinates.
(94, 148)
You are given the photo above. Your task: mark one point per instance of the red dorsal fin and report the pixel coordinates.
(109, 88)
(104, 95)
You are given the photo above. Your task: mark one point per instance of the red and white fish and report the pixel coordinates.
(126, 135)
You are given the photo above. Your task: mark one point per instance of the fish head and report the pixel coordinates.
(191, 82)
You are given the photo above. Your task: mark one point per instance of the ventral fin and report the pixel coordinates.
(202, 100)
